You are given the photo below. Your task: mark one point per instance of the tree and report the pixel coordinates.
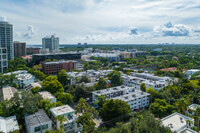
(85, 79)
(116, 79)
(52, 85)
(17, 64)
(143, 122)
(114, 108)
(63, 77)
(182, 104)
(60, 119)
(160, 108)
(35, 90)
(143, 87)
(153, 93)
(101, 100)
(38, 74)
(101, 84)
(30, 101)
(8, 80)
(65, 98)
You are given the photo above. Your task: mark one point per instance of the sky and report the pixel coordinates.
(104, 21)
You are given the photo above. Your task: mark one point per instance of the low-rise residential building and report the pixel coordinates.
(112, 57)
(8, 92)
(68, 113)
(55, 66)
(8, 124)
(192, 108)
(47, 95)
(33, 85)
(134, 97)
(23, 78)
(190, 72)
(92, 75)
(150, 80)
(38, 122)
(188, 130)
(177, 122)
(78, 65)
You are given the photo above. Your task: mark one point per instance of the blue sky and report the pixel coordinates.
(104, 21)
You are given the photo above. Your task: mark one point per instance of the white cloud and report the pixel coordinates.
(31, 31)
(73, 19)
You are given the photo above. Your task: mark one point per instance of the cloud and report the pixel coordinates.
(2, 18)
(31, 31)
(176, 30)
(197, 30)
(133, 31)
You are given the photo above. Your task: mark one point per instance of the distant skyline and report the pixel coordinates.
(104, 21)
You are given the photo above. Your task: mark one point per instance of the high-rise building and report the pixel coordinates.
(52, 43)
(6, 44)
(19, 49)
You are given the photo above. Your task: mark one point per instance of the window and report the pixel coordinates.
(37, 129)
(44, 126)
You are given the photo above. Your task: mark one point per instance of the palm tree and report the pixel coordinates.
(61, 119)
(182, 104)
(196, 116)
(189, 123)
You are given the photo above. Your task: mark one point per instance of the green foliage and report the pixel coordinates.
(17, 64)
(141, 123)
(85, 79)
(63, 77)
(65, 98)
(80, 91)
(35, 89)
(143, 87)
(101, 84)
(8, 80)
(101, 100)
(52, 85)
(116, 79)
(38, 74)
(161, 108)
(114, 108)
(153, 93)
(30, 101)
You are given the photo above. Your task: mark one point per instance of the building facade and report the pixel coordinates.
(52, 43)
(19, 49)
(150, 80)
(31, 50)
(38, 122)
(134, 97)
(54, 67)
(38, 58)
(69, 125)
(6, 44)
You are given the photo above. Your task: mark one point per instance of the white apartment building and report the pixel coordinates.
(78, 65)
(38, 122)
(177, 122)
(8, 124)
(92, 74)
(24, 78)
(69, 124)
(191, 109)
(150, 80)
(47, 95)
(8, 93)
(134, 97)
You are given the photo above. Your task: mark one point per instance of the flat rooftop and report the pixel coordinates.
(8, 124)
(46, 95)
(113, 89)
(194, 106)
(37, 118)
(8, 92)
(61, 110)
(175, 121)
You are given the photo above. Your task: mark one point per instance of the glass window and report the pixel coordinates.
(37, 129)
(44, 127)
